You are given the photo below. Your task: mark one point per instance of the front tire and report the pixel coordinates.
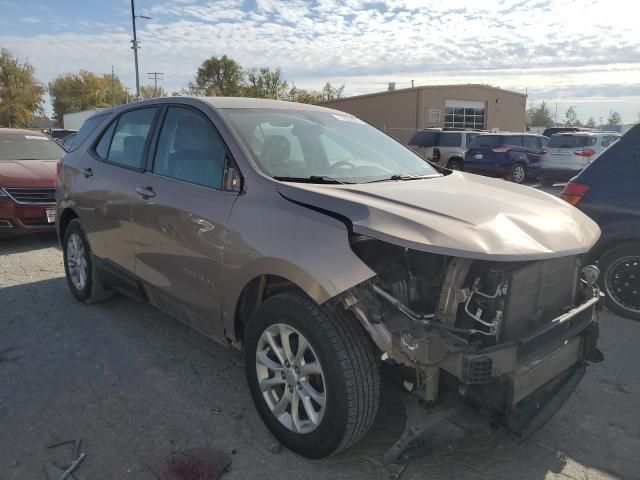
(455, 165)
(620, 279)
(312, 374)
(518, 173)
(78, 266)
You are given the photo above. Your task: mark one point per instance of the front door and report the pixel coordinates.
(106, 186)
(181, 220)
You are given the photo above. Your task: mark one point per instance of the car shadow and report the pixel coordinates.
(107, 372)
(25, 243)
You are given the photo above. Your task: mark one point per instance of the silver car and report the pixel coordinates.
(568, 153)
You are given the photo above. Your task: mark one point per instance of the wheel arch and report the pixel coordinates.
(66, 216)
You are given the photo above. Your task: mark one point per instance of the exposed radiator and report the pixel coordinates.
(539, 292)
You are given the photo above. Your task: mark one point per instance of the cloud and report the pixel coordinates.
(541, 45)
(31, 20)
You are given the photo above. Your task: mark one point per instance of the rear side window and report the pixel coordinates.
(88, 127)
(513, 141)
(572, 141)
(608, 140)
(486, 141)
(424, 139)
(190, 149)
(531, 142)
(450, 140)
(124, 141)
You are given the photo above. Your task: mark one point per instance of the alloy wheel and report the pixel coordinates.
(77, 261)
(622, 283)
(291, 378)
(518, 174)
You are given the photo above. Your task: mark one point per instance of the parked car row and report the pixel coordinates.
(514, 156)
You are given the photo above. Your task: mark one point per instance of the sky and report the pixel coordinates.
(584, 53)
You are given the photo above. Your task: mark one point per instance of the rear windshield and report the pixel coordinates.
(435, 139)
(571, 141)
(29, 147)
(486, 141)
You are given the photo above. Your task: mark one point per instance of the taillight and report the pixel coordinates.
(500, 149)
(58, 168)
(573, 193)
(585, 152)
(436, 154)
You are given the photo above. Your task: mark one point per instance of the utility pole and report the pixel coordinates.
(135, 44)
(155, 76)
(113, 93)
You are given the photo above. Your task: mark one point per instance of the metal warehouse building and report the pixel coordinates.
(402, 112)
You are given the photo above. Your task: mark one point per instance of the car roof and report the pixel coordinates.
(584, 134)
(510, 134)
(21, 131)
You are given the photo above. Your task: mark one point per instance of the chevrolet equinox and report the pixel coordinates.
(322, 247)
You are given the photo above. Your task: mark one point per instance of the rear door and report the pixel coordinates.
(533, 148)
(105, 188)
(181, 216)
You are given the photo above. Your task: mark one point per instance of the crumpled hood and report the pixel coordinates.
(28, 173)
(460, 214)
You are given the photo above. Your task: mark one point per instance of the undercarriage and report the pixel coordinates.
(509, 340)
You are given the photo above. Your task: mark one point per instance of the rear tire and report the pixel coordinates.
(78, 266)
(343, 373)
(455, 165)
(518, 173)
(620, 279)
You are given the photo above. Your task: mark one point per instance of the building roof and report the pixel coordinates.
(427, 87)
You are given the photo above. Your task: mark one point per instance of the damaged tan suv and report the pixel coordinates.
(322, 247)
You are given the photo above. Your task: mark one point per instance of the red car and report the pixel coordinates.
(27, 181)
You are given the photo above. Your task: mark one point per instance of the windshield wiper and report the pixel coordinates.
(403, 176)
(313, 179)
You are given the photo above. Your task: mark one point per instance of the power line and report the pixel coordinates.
(157, 77)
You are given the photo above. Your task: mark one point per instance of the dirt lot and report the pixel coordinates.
(137, 386)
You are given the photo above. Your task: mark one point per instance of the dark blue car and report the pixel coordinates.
(513, 156)
(608, 190)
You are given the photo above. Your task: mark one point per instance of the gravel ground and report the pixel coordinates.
(136, 387)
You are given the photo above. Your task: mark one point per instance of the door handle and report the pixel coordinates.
(145, 192)
(87, 172)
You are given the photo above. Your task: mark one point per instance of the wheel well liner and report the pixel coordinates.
(67, 215)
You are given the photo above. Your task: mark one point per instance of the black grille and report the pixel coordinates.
(476, 370)
(539, 292)
(35, 222)
(32, 195)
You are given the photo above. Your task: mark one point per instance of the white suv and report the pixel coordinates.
(443, 147)
(568, 153)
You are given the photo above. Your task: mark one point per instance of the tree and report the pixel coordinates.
(571, 117)
(330, 92)
(20, 92)
(218, 77)
(265, 83)
(85, 90)
(540, 116)
(614, 118)
(591, 123)
(147, 91)
(303, 96)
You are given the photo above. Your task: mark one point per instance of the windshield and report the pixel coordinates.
(29, 147)
(571, 141)
(303, 144)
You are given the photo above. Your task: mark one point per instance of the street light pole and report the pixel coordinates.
(135, 44)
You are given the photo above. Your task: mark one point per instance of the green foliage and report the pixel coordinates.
(265, 83)
(73, 92)
(540, 116)
(226, 78)
(20, 92)
(218, 76)
(614, 118)
(571, 117)
(591, 123)
(147, 91)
